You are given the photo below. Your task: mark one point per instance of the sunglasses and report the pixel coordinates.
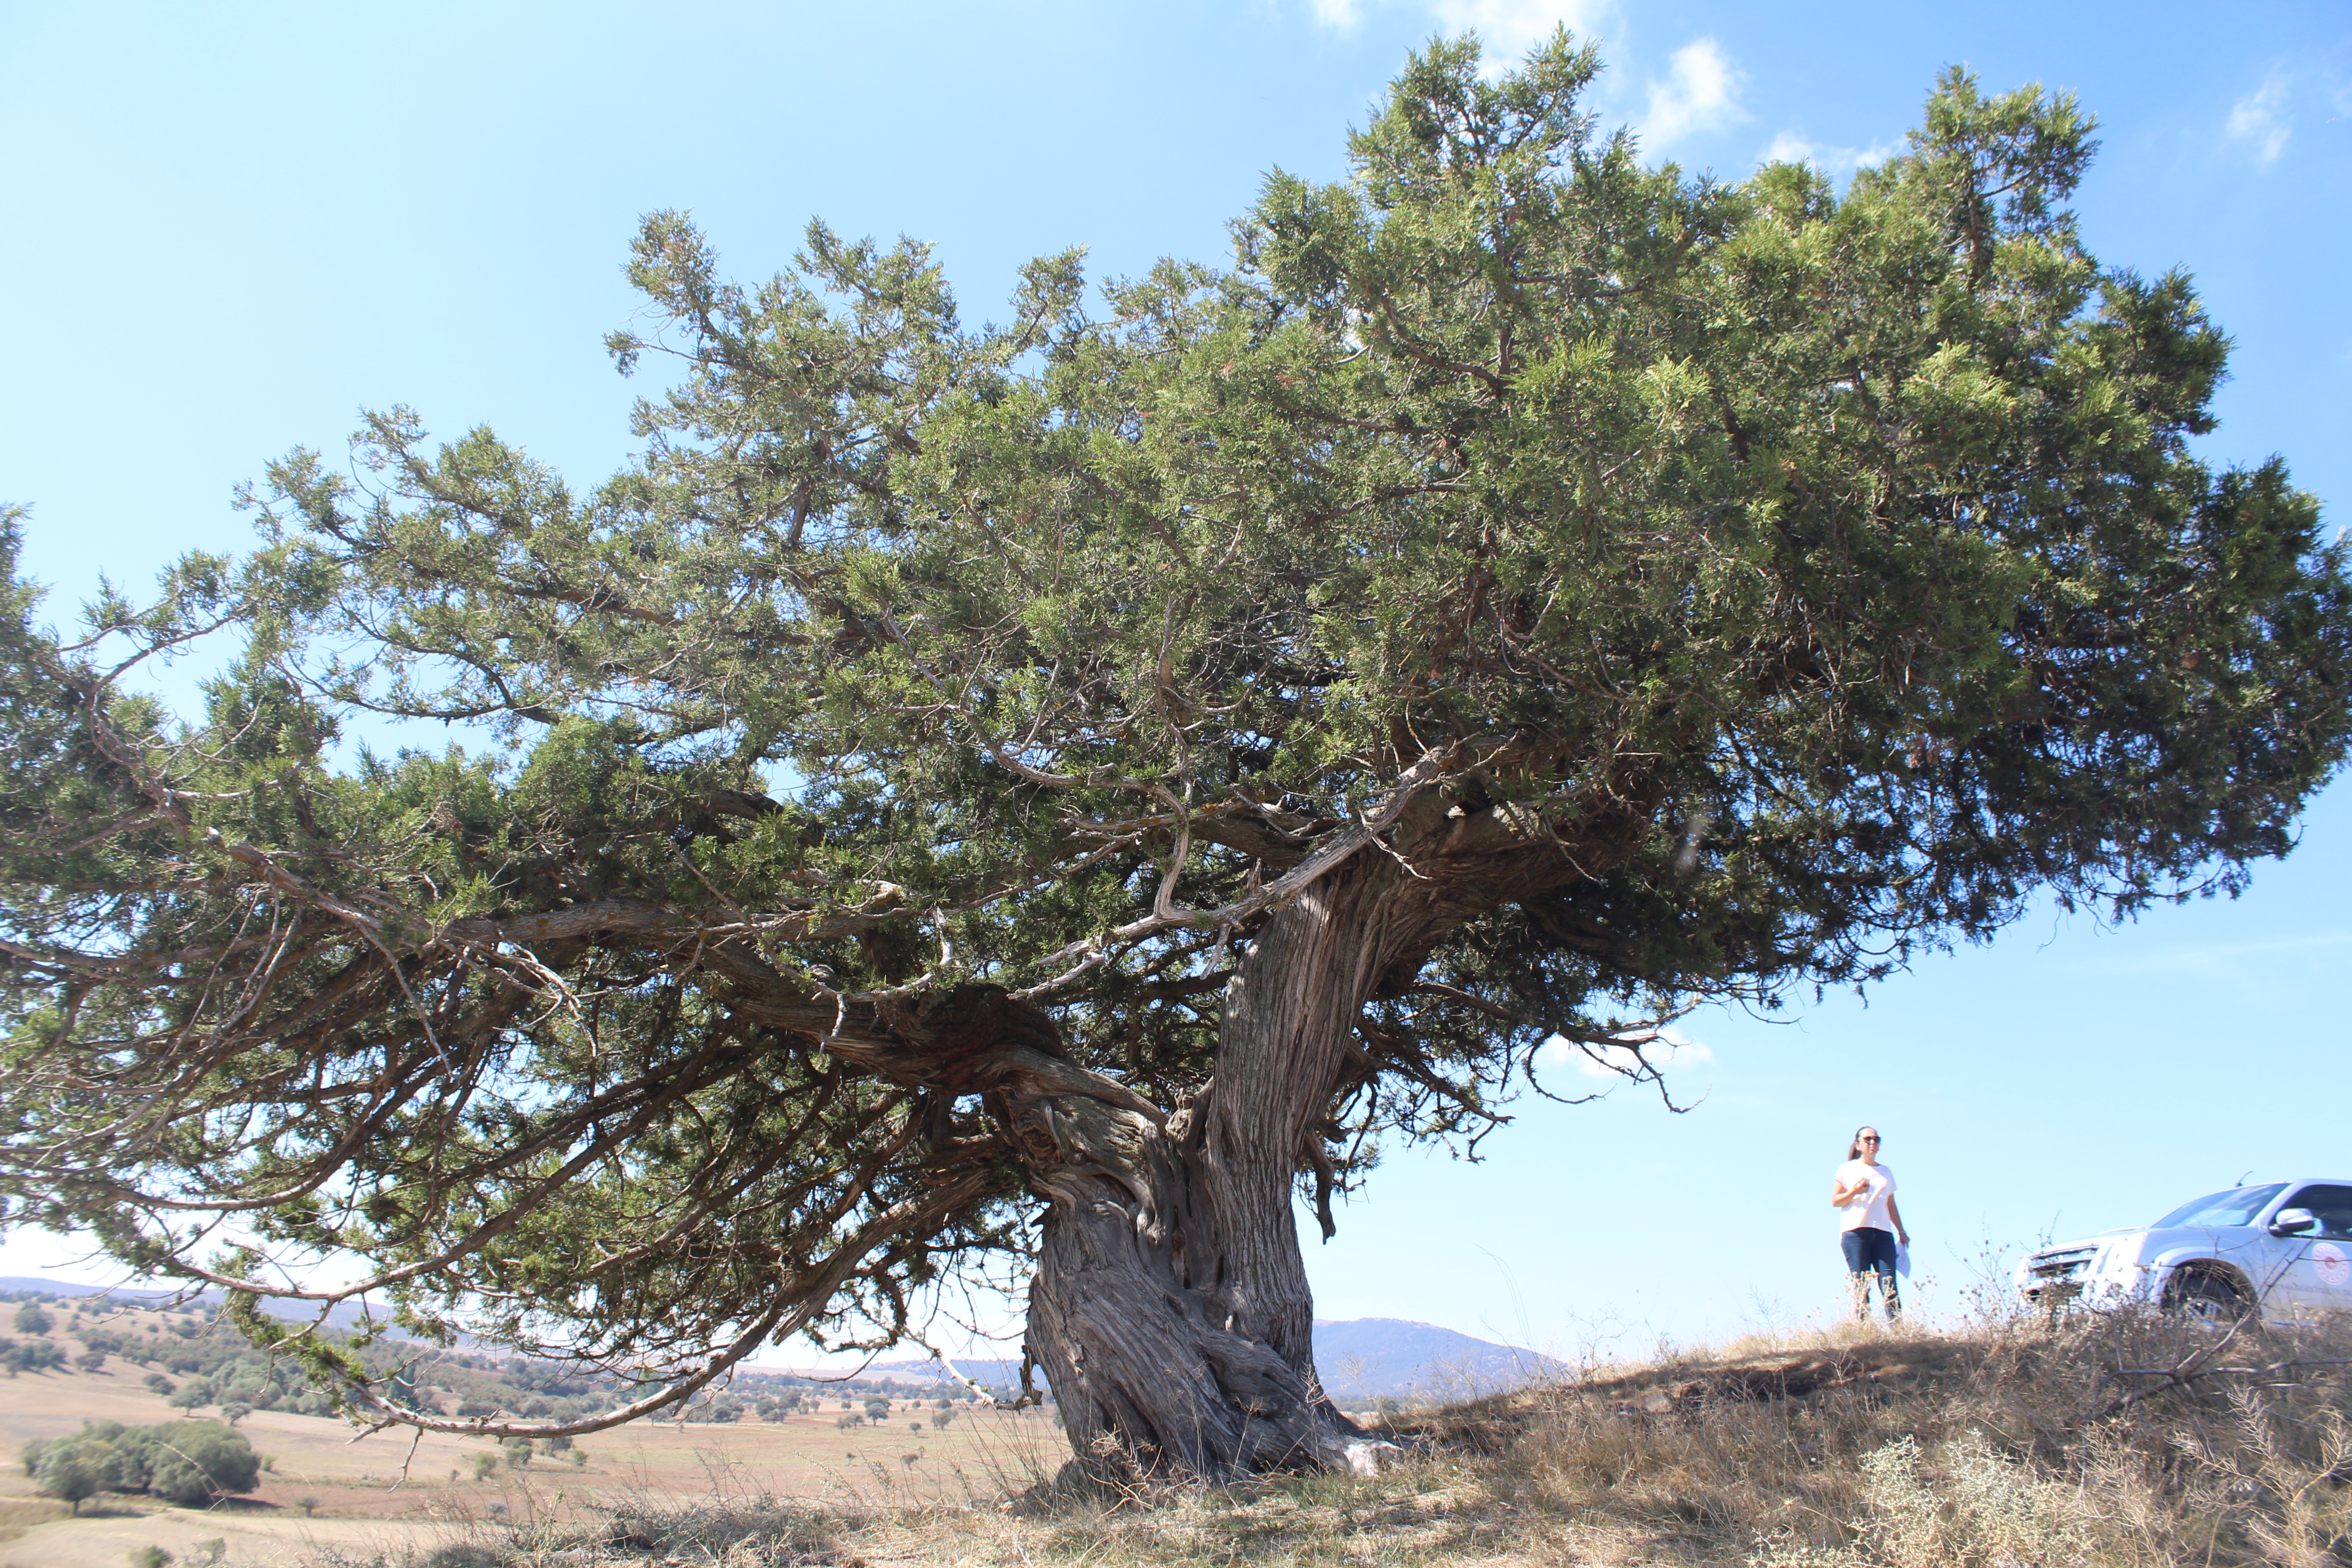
(1870, 1140)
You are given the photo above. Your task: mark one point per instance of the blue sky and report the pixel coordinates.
(230, 227)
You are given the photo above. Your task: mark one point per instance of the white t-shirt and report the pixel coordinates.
(1871, 1206)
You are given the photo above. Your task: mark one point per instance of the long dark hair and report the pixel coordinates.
(1854, 1148)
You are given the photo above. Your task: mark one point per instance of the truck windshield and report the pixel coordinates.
(2239, 1205)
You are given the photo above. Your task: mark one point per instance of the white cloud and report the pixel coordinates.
(1670, 1050)
(1700, 92)
(1789, 147)
(1509, 28)
(2260, 119)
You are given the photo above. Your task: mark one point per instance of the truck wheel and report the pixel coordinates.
(2207, 1296)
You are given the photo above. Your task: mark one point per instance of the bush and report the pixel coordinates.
(150, 1557)
(32, 1319)
(459, 1555)
(197, 1461)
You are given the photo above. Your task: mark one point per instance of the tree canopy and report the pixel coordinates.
(1143, 754)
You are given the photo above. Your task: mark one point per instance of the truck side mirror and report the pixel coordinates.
(2293, 1222)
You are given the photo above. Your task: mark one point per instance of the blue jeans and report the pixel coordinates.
(1871, 1251)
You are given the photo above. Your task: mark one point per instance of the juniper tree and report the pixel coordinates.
(1055, 794)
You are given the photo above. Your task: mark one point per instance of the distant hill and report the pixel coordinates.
(345, 1316)
(1359, 1361)
(1388, 1358)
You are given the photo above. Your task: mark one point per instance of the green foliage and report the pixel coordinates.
(68, 1472)
(1670, 589)
(186, 1462)
(193, 1395)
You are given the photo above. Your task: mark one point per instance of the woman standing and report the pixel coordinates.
(1870, 1226)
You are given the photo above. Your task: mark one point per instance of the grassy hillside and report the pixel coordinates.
(2124, 1441)
(185, 1353)
(391, 1494)
(2110, 1442)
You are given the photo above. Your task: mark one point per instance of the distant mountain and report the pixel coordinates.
(1388, 1358)
(1359, 1361)
(345, 1316)
(28, 1285)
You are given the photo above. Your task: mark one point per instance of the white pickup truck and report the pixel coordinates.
(2284, 1247)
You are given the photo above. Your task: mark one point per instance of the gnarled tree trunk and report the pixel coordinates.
(1169, 1309)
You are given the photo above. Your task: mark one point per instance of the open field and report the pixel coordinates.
(397, 1489)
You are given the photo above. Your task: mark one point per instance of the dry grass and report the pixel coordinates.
(2010, 1445)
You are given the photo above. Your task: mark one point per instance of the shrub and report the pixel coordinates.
(29, 1355)
(150, 1557)
(32, 1319)
(197, 1461)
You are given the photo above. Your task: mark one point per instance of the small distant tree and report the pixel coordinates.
(68, 1472)
(940, 1418)
(32, 1319)
(192, 1395)
(309, 1505)
(234, 1410)
(518, 1453)
(485, 1466)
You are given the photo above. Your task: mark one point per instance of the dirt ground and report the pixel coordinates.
(394, 1488)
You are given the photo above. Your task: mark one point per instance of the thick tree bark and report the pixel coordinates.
(1170, 1311)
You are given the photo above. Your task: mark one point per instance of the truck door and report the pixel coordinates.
(2319, 1279)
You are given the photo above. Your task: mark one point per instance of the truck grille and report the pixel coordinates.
(2058, 1266)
